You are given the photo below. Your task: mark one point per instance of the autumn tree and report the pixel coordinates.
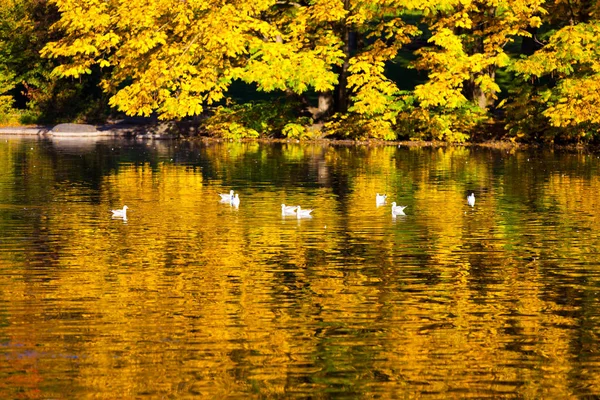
(20, 65)
(374, 98)
(468, 45)
(26, 79)
(331, 29)
(176, 58)
(560, 96)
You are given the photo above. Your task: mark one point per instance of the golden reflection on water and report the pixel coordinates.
(190, 297)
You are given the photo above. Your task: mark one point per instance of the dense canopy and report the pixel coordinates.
(391, 69)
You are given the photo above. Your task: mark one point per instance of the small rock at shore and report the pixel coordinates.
(74, 128)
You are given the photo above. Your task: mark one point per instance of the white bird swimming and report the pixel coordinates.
(288, 210)
(300, 213)
(380, 199)
(235, 201)
(226, 196)
(397, 210)
(471, 199)
(120, 213)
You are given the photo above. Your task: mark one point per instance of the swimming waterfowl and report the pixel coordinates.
(397, 210)
(226, 196)
(235, 201)
(471, 199)
(300, 213)
(380, 199)
(120, 213)
(288, 210)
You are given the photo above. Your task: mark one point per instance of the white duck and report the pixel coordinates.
(288, 210)
(300, 213)
(120, 213)
(471, 199)
(226, 196)
(235, 201)
(380, 199)
(397, 210)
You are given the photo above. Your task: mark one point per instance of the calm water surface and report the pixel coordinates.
(190, 297)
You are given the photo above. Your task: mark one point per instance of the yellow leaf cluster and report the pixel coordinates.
(176, 58)
(572, 55)
(470, 38)
(579, 104)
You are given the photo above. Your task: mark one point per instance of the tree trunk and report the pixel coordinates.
(350, 41)
(325, 104)
(479, 97)
(473, 92)
(338, 99)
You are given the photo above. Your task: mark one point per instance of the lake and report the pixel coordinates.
(190, 297)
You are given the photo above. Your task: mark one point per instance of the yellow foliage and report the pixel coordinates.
(181, 56)
(177, 58)
(461, 57)
(572, 55)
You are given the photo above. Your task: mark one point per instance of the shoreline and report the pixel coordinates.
(162, 132)
(117, 130)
